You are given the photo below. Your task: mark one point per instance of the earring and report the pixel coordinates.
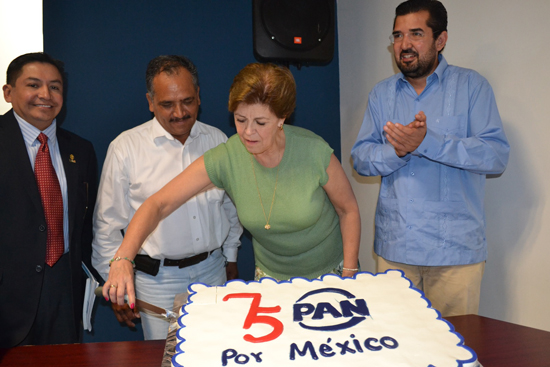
(281, 127)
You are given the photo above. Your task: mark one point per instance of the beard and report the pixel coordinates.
(422, 68)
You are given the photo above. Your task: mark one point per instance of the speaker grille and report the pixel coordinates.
(294, 31)
(296, 25)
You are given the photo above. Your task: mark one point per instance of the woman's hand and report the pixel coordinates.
(120, 282)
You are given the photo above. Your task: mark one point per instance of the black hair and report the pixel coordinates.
(15, 68)
(438, 14)
(169, 65)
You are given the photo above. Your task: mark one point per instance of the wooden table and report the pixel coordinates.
(502, 344)
(119, 354)
(497, 344)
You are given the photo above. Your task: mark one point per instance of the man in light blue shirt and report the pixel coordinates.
(430, 219)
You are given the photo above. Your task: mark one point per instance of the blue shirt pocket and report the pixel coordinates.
(450, 125)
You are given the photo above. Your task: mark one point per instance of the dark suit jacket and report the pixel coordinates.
(22, 227)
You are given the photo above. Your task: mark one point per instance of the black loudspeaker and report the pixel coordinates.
(299, 32)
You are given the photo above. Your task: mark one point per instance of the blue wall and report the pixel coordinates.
(106, 46)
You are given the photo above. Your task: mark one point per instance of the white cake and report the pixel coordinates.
(371, 320)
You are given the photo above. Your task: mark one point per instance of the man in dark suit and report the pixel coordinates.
(41, 276)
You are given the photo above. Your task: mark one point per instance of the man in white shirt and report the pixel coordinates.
(196, 243)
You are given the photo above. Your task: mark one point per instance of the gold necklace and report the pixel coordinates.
(267, 218)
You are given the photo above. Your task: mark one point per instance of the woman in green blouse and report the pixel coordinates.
(289, 189)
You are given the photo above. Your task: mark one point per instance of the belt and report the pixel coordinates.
(189, 261)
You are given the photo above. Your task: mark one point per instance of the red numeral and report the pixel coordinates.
(254, 318)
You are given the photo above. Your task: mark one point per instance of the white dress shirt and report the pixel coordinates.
(141, 161)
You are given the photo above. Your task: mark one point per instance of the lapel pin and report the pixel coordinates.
(71, 159)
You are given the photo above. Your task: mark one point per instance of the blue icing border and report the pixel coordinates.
(179, 350)
(452, 329)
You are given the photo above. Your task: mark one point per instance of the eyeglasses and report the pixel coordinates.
(414, 36)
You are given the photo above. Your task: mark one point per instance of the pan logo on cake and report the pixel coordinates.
(345, 313)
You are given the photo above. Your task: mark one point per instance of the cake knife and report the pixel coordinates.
(168, 314)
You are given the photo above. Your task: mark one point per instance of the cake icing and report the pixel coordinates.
(375, 320)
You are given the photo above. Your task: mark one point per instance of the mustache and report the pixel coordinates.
(180, 119)
(409, 51)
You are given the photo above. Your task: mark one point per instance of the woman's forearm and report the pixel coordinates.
(145, 220)
(191, 181)
(350, 225)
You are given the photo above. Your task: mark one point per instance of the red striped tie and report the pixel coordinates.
(52, 201)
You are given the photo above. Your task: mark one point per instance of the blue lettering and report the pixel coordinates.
(240, 360)
(346, 325)
(343, 292)
(344, 348)
(301, 309)
(369, 346)
(323, 308)
(326, 350)
(228, 354)
(357, 344)
(307, 347)
(347, 308)
(257, 356)
(384, 341)
(359, 308)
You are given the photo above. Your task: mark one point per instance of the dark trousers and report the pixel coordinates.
(54, 323)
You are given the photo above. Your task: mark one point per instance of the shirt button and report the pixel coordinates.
(197, 238)
(409, 227)
(194, 217)
(41, 228)
(411, 200)
(38, 268)
(412, 173)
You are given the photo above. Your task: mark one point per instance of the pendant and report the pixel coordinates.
(267, 226)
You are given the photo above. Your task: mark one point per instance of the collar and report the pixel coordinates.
(30, 132)
(440, 70)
